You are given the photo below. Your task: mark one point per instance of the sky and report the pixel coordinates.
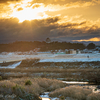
(60, 20)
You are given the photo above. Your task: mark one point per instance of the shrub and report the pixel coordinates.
(95, 90)
(28, 82)
(15, 87)
(50, 84)
(62, 98)
(93, 96)
(75, 92)
(0, 78)
(94, 77)
(91, 46)
(4, 86)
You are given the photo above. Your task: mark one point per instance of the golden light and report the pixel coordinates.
(91, 39)
(28, 13)
(45, 99)
(26, 10)
(26, 1)
(95, 39)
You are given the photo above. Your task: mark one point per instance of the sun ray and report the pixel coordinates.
(23, 12)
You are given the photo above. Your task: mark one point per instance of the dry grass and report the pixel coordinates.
(56, 70)
(8, 63)
(48, 70)
(34, 63)
(68, 65)
(49, 84)
(68, 74)
(38, 86)
(75, 92)
(93, 96)
(28, 63)
(18, 87)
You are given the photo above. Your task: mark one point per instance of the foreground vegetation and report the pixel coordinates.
(28, 88)
(75, 93)
(27, 46)
(31, 78)
(69, 71)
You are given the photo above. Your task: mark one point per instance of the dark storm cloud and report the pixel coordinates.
(69, 24)
(81, 34)
(69, 33)
(11, 30)
(52, 20)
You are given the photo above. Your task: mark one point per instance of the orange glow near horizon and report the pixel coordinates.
(95, 39)
(61, 20)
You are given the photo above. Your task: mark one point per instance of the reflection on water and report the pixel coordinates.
(45, 96)
(74, 82)
(46, 99)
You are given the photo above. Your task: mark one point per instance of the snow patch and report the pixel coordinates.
(71, 60)
(51, 57)
(12, 66)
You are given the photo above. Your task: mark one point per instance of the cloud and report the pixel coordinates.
(95, 39)
(68, 3)
(61, 2)
(19, 9)
(52, 20)
(71, 32)
(70, 25)
(5, 1)
(42, 6)
(80, 4)
(4, 10)
(57, 5)
(11, 30)
(36, 6)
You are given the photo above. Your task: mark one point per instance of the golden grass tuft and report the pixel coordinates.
(93, 96)
(38, 85)
(75, 92)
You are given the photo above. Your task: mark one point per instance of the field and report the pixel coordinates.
(51, 67)
(49, 57)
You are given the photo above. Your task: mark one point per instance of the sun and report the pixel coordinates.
(29, 14)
